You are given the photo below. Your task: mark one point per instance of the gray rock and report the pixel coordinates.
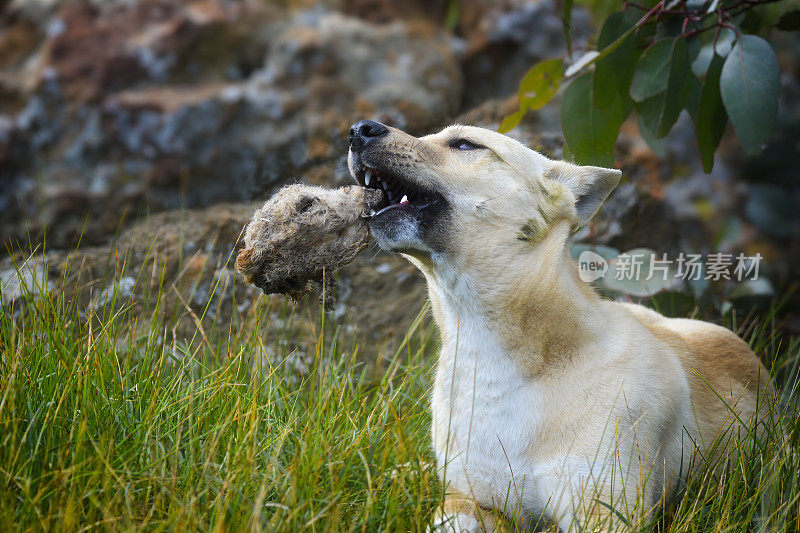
(505, 39)
(138, 143)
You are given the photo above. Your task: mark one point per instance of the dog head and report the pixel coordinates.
(464, 189)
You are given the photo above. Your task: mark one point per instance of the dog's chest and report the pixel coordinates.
(486, 418)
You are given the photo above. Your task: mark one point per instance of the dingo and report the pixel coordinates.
(549, 402)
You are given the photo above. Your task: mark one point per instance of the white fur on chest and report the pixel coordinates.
(486, 416)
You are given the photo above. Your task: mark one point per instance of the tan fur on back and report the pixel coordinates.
(724, 374)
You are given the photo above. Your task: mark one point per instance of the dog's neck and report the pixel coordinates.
(532, 303)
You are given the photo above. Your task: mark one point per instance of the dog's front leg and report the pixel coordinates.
(461, 514)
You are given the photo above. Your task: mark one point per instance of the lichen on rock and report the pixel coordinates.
(302, 235)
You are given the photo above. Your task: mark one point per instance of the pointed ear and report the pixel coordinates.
(590, 186)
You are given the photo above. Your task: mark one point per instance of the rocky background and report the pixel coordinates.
(143, 133)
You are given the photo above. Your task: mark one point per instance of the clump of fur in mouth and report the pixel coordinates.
(302, 235)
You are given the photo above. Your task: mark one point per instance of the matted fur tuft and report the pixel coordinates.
(301, 235)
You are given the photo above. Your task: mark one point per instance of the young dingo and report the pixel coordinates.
(549, 402)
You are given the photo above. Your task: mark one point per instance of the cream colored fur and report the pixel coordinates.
(549, 400)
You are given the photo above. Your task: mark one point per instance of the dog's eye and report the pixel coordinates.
(463, 144)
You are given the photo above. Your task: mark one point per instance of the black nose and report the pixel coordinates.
(364, 132)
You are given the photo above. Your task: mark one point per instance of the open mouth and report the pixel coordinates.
(397, 193)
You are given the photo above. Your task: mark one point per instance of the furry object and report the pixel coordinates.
(301, 235)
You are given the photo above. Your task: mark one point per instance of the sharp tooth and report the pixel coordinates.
(383, 184)
(390, 195)
(404, 199)
(367, 176)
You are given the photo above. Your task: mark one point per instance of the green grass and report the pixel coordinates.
(108, 421)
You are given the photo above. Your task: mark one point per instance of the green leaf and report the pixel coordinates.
(750, 85)
(613, 73)
(659, 112)
(693, 99)
(602, 9)
(677, 86)
(669, 27)
(720, 46)
(567, 155)
(673, 303)
(652, 71)
(702, 60)
(694, 44)
(592, 57)
(511, 121)
(540, 83)
(658, 146)
(725, 41)
(537, 87)
(452, 15)
(752, 22)
(711, 116)
(789, 21)
(649, 112)
(566, 19)
(591, 132)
